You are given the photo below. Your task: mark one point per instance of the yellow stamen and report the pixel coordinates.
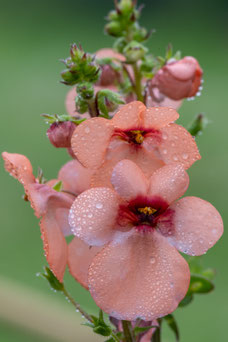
(147, 210)
(138, 136)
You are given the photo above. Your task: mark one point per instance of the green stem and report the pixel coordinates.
(157, 334)
(128, 333)
(138, 85)
(76, 305)
(93, 111)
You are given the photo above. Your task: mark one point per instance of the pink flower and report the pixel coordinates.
(53, 209)
(178, 79)
(60, 133)
(139, 272)
(109, 76)
(146, 136)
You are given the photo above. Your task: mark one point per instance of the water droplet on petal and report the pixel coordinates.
(99, 205)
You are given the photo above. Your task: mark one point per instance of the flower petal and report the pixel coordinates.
(80, 256)
(169, 182)
(93, 216)
(128, 179)
(158, 117)
(19, 167)
(90, 141)
(197, 225)
(178, 146)
(129, 116)
(75, 177)
(142, 277)
(52, 227)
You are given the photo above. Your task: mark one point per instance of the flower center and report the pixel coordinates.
(136, 136)
(146, 215)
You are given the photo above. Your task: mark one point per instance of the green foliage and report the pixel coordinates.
(108, 101)
(134, 51)
(170, 320)
(51, 118)
(52, 280)
(58, 186)
(81, 67)
(198, 125)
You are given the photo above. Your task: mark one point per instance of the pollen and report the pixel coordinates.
(138, 136)
(147, 210)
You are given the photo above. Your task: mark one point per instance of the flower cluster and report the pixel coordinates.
(120, 195)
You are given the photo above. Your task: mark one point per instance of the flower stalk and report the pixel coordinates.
(128, 333)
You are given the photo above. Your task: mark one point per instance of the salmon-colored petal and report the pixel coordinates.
(93, 216)
(157, 117)
(19, 167)
(142, 277)
(80, 256)
(75, 177)
(52, 225)
(90, 141)
(128, 179)
(129, 116)
(146, 159)
(169, 182)
(197, 225)
(160, 100)
(178, 146)
(110, 53)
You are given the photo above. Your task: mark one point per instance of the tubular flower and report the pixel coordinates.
(53, 209)
(178, 79)
(139, 272)
(146, 136)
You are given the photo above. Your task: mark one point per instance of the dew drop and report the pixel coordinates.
(87, 130)
(99, 205)
(185, 156)
(152, 260)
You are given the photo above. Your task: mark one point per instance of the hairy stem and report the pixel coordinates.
(128, 333)
(77, 306)
(138, 85)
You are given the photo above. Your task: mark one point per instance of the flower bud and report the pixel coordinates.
(60, 133)
(114, 29)
(108, 76)
(108, 101)
(178, 79)
(86, 90)
(134, 51)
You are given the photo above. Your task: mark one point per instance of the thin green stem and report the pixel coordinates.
(157, 334)
(128, 333)
(77, 306)
(93, 110)
(138, 85)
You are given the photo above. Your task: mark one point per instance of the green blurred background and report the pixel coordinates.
(34, 36)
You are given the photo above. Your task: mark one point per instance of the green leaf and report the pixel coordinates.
(187, 300)
(200, 284)
(52, 118)
(58, 186)
(169, 52)
(108, 101)
(51, 278)
(170, 320)
(139, 330)
(198, 125)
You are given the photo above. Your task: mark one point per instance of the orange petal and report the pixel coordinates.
(52, 225)
(142, 277)
(169, 182)
(90, 141)
(128, 179)
(80, 256)
(19, 167)
(110, 53)
(157, 117)
(93, 216)
(75, 177)
(129, 116)
(197, 226)
(178, 146)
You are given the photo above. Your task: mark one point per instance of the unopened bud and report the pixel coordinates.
(60, 133)
(114, 29)
(81, 104)
(85, 90)
(108, 101)
(134, 51)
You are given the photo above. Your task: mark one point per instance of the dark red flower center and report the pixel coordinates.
(142, 213)
(136, 136)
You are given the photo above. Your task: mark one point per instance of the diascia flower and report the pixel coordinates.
(139, 272)
(146, 136)
(53, 209)
(178, 79)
